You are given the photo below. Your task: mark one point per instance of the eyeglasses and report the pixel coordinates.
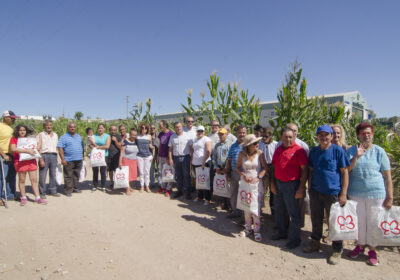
(215, 125)
(266, 136)
(200, 131)
(143, 127)
(190, 121)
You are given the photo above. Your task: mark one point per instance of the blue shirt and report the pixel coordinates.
(72, 146)
(233, 154)
(365, 179)
(326, 164)
(101, 141)
(143, 143)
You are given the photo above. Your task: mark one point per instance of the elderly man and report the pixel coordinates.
(268, 146)
(289, 165)
(47, 146)
(179, 156)
(123, 132)
(328, 181)
(7, 162)
(230, 170)
(214, 133)
(299, 142)
(113, 153)
(70, 149)
(190, 128)
(220, 155)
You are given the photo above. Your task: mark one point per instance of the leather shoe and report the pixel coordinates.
(278, 237)
(77, 191)
(177, 195)
(68, 194)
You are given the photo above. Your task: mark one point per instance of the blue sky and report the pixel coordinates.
(87, 56)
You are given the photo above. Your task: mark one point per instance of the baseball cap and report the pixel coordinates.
(222, 131)
(200, 127)
(10, 114)
(324, 128)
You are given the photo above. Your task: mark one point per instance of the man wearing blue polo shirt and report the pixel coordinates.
(329, 179)
(70, 149)
(230, 170)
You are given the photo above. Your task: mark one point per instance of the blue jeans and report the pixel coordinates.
(287, 210)
(10, 176)
(182, 172)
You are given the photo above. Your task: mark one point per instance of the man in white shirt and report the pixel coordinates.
(179, 157)
(214, 133)
(268, 146)
(47, 147)
(190, 128)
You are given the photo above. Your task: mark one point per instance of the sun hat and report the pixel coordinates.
(10, 114)
(250, 139)
(222, 131)
(200, 127)
(325, 128)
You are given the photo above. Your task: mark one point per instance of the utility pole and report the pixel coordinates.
(127, 107)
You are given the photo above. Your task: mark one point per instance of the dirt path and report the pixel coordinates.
(147, 236)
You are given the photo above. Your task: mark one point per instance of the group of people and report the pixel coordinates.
(331, 172)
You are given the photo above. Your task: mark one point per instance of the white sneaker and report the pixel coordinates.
(206, 203)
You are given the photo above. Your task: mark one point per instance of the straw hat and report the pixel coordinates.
(250, 139)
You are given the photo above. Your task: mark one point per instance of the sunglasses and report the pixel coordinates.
(190, 121)
(143, 127)
(255, 144)
(200, 131)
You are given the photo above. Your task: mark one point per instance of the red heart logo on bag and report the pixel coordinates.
(392, 227)
(97, 155)
(245, 197)
(220, 183)
(201, 178)
(346, 222)
(120, 176)
(29, 147)
(168, 172)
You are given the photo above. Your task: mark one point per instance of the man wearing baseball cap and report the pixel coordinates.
(328, 181)
(6, 157)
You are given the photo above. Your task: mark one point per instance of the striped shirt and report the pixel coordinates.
(72, 146)
(143, 143)
(49, 142)
(234, 152)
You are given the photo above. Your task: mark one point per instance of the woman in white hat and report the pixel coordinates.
(200, 154)
(251, 165)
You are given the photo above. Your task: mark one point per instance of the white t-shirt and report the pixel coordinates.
(180, 144)
(192, 132)
(199, 150)
(268, 150)
(214, 138)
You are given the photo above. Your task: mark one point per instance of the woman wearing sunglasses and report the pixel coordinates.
(144, 156)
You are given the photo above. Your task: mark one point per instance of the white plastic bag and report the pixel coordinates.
(27, 144)
(97, 157)
(307, 208)
(168, 174)
(221, 186)
(202, 178)
(121, 177)
(247, 198)
(343, 221)
(59, 174)
(82, 175)
(387, 229)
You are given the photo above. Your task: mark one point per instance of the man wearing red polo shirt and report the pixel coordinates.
(289, 165)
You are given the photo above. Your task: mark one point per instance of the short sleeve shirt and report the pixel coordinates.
(288, 161)
(101, 141)
(131, 149)
(233, 154)
(180, 144)
(72, 146)
(326, 164)
(113, 150)
(6, 133)
(199, 150)
(164, 139)
(365, 179)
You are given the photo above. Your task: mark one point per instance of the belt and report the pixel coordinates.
(182, 156)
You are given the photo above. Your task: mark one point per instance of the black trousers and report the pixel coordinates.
(103, 175)
(71, 175)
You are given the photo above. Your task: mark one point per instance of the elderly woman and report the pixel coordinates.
(128, 157)
(370, 184)
(200, 154)
(251, 165)
(102, 141)
(339, 136)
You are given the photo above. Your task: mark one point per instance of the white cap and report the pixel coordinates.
(200, 127)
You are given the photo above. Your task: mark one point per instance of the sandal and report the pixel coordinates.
(245, 233)
(257, 236)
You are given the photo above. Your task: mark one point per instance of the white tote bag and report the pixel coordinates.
(59, 174)
(202, 178)
(221, 186)
(343, 221)
(121, 177)
(97, 157)
(247, 199)
(168, 174)
(82, 175)
(387, 229)
(27, 143)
